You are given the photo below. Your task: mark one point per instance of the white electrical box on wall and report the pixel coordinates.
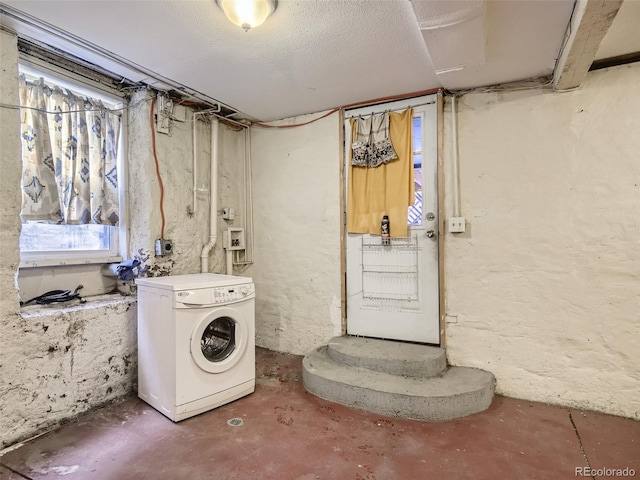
(456, 224)
(228, 213)
(233, 239)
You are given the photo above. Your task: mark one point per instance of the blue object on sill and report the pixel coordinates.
(125, 272)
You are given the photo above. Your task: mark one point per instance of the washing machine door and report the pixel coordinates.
(219, 340)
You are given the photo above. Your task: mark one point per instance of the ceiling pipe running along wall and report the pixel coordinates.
(194, 125)
(248, 198)
(456, 159)
(194, 141)
(43, 34)
(213, 207)
(244, 257)
(194, 165)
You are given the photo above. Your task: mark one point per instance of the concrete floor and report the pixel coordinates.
(290, 434)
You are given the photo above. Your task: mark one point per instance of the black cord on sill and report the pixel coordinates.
(55, 296)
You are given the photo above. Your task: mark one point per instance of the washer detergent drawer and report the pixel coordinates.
(194, 298)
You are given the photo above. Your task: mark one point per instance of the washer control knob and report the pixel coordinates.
(244, 291)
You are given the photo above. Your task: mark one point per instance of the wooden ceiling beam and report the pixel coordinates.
(589, 24)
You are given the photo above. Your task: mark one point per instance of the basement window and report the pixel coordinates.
(51, 242)
(415, 210)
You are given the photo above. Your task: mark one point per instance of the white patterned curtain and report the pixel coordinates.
(69, 157)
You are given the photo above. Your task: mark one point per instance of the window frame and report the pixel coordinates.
(118, 235)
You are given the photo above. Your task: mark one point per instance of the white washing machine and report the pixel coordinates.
(196, 342)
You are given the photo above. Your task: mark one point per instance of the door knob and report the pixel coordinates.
(431, 233)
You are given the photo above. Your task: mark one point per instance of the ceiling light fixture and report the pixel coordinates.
(247, 14)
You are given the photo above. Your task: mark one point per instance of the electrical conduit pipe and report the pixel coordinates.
(195, 163)
(229, 261)
(456, 159)
(213, 207)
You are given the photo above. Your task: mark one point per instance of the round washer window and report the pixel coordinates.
(218, 339)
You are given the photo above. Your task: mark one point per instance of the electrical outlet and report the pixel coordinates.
(456, 224)
(163, 247)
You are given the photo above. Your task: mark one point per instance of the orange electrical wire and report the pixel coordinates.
(155, 156)
(266, 125)
(352, 105)
(374, 101)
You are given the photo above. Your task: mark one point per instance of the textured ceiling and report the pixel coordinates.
(311, 55)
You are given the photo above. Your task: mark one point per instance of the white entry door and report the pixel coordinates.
(392, 290)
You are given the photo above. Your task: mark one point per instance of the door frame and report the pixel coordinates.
(440, 216)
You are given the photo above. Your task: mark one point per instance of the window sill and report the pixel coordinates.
(99, 301)
(54, 262)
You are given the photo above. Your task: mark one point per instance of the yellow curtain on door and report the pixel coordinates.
(384, 190)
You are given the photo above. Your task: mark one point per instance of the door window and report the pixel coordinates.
(415, 210)
(218, 339)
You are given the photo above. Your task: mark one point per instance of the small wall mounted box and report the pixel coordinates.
(163, 247)
(456, 224)
(233, 239)
(228, 213)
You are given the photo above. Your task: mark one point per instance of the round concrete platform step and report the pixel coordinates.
(456, 392)
(395, 358)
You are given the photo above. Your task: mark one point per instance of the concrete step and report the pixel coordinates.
(395, 358)
(456, 392)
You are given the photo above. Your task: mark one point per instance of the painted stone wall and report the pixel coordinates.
(544, 288)
(56, 363)
(9, 180)
(296, 186)
(60, 362)
(232, 191)
(188, 231)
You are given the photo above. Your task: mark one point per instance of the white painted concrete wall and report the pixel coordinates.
(9, 182)
(60, 362)
(296, 175)
(188, 232)
(56, 363)
(544, 288)
(231, 191)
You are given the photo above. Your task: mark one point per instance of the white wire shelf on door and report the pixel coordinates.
(399, 297)
(390, 272)
(397, 289)
(392, 269)
(410, 243)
